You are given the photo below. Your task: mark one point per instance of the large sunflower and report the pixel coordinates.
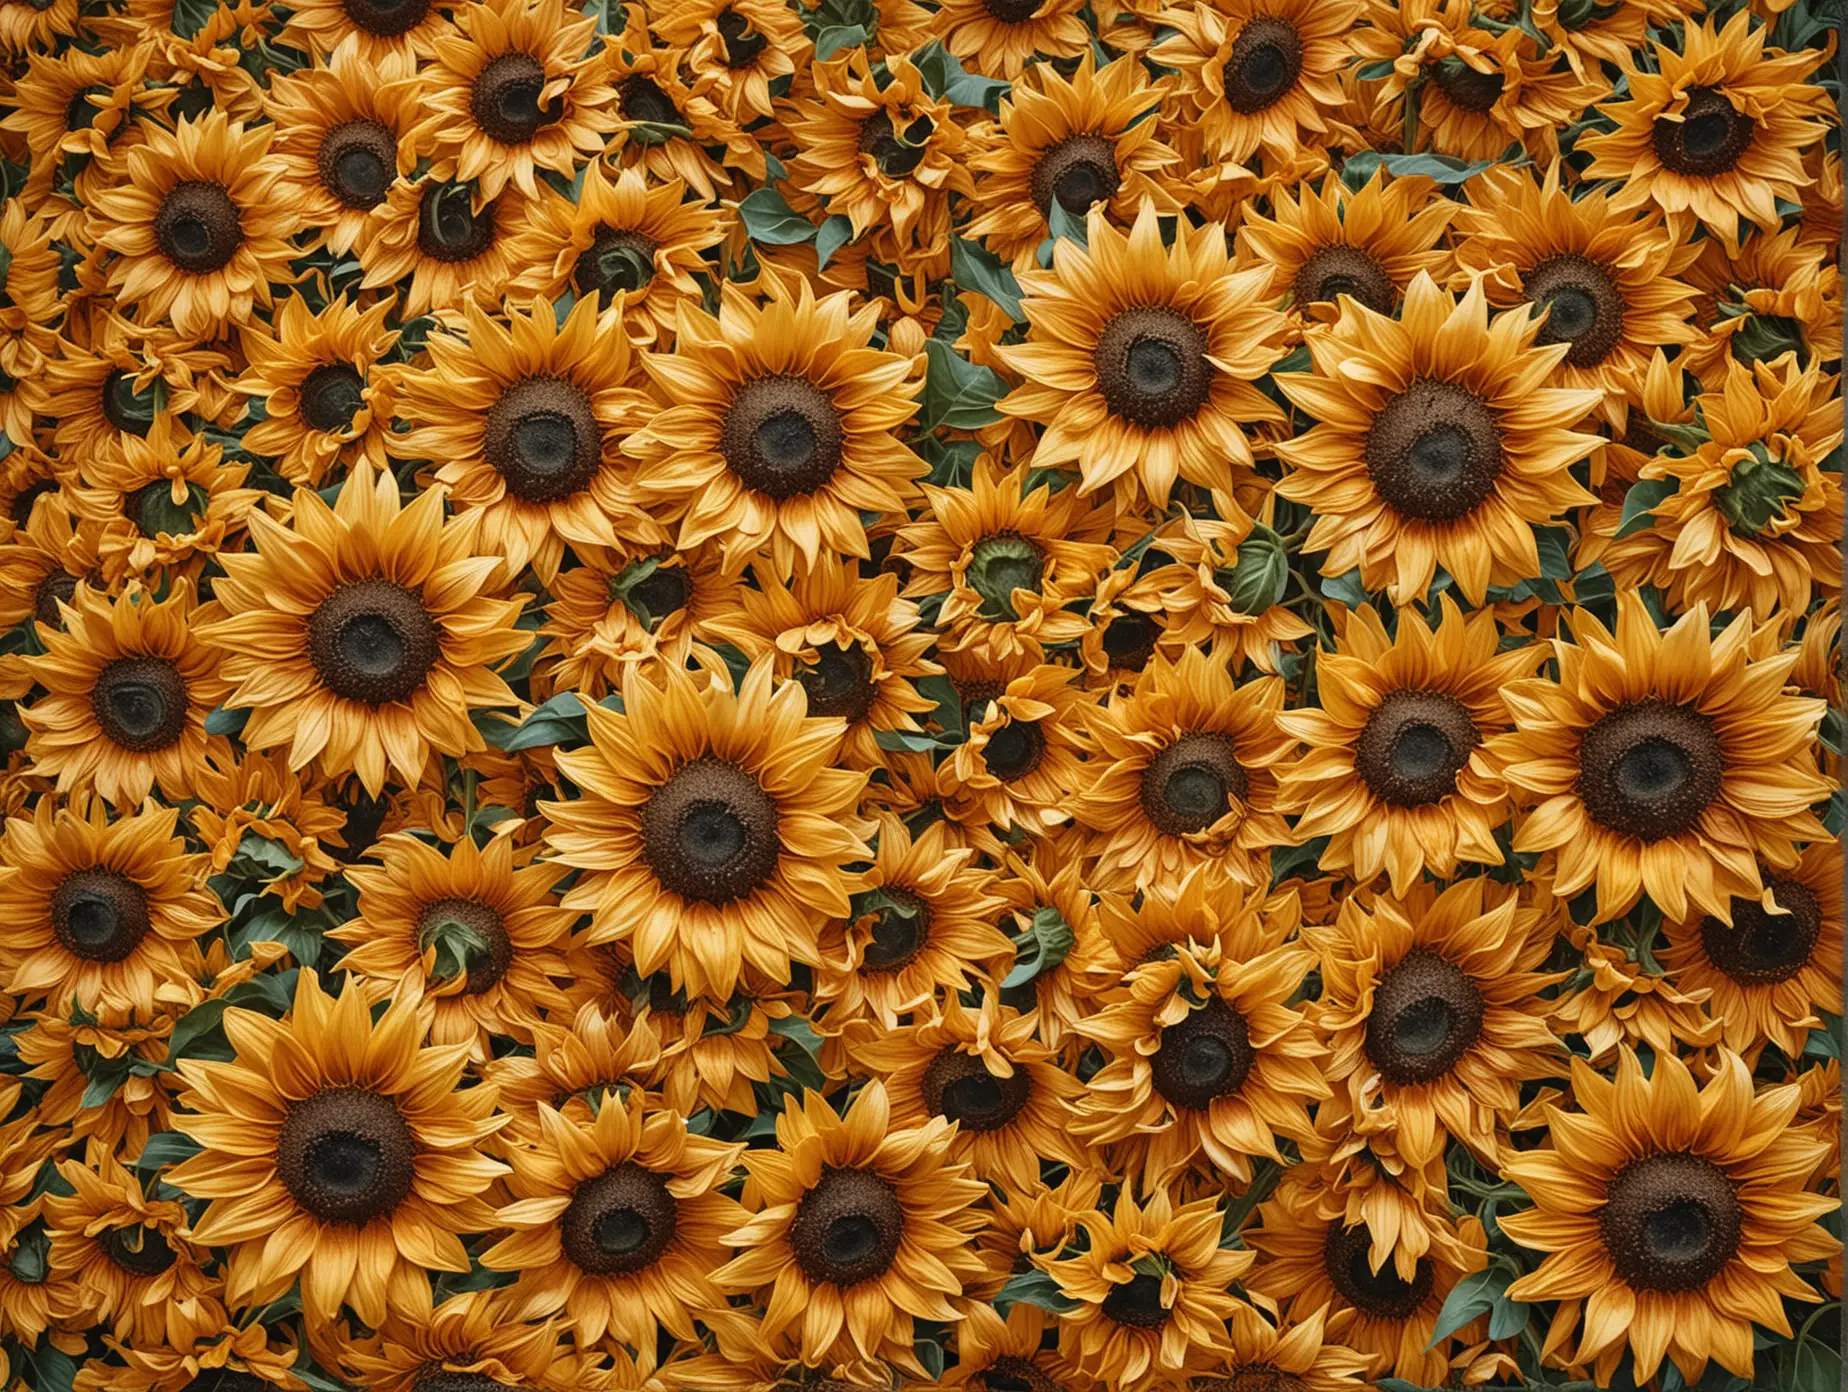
(360, 635)
(1140, 359)
(1437, 443)
(777, 434)
(1670, 1215)
(453, 244)
(856, 1230)
(1666, 762)
(338, 1152)
(712, 826)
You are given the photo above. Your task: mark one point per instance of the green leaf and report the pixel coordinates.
(1444, 169)
(224, 721)
(835, 233)
(835, 37)
(1046, 942)
(1067, 225)
(1374, 72)
(1469, 1300)
(958, 393)
(1259, 574)
(166, 1148)
(190, 16)
(1033, 1288)
(156, 514)
(31, 1259)
(259, 858)
(201, 1020)
(320, 1382)
(1759, 489)
(1345, 589)
(974, 267)
(949, 712)
(904, 741)
(1554, 546)
(945, 79)
(770, 220)
(457, 945)
(805, 1067)
(1507, 1317)
(560, 720)
(1639, 502)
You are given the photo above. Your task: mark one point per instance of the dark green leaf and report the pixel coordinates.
(1033, 1288)
(201, 1020)
(1045, 943)
(770, 220)
(835, 37)
(1374, 72)
(1345, 589)
(1444, 169)
(835, 233)
(1469, 1300)
(560, 720)
(1066, 225)
(1639, 502)
(974, 267)
(166, 1148)
(958, 393)
(1260, 573)
(189, 17)
(945, 79)
(224, 721)
(949, 712)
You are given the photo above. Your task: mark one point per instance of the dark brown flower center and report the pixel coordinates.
(781, 436)
(664, 590)
(1709, 138)
(139, 1251)
(1011, 11)
(1426, 1015)
(1650, 770)
(55, 589)
(1014, 750)
(1204, 1057)
(743, 44)
(1129, 641)
(617, 261)
(1253, 1377)
(620, 1222)
(1010, 1374)
(1192, 783)
(505, 99)
(386, 18)
(1266, 60)
(839, 682)
(896, 152)
(1583, 304)
(1434, 453)
(373, 641)
(365, 816)
(1464, 86)
(99, 914)
(898, 935)
(847, 1228)
(959, 1086)
(468, 935)
(1079, 171)
(346, 1155)
(641, 99)
(1383, 1294)
(1333, 271)
(1136, 1302)
(140, 703)
(357, 162)
(999, 565)
(449, 227)
(227, 1380)
(198, 227)
(1414, 745)
(1152, 368)
(542, 437)
(1671, 1222)
(446, 1381)
(710, 832)
(1762, 948)
(331, 397)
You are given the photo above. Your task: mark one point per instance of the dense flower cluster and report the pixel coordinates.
(889, 695)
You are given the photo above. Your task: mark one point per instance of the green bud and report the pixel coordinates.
(1766, 337)
(1759, 489)
(999, 566)
(156, 514)
(1258, 576)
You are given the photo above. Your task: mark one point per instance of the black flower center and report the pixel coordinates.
(470, 936)
(1152, 368)
(898, 934)
(55, 589)
(198, 227)
(1671, 1222)
(128, 408)
(641, 99)
(847, 1228)
(1708, 140)
(1253, 1377)
(1192, 784)
(449, 227)
(1426, 1015)
(999, 565)
(664, 590)
(1136, 1302)
(1584, 306)
(1011, 11)
(1384, 1293)
(839, 682)
(1079, 171)
(1266, 60)
(781, 436)
(1014, 750)
(1414, 745)
(616, 262)
(710, 832)
(227, 1380)
(1333, 271)
(1011, 1374)
(743, 44)
(331, 397)
(373, 641)
(152, 509)
(1206, 1056)
(542, 437)
(959, 1086)
(99, 914)
(505, 99)
(1434, 453)
(620, 1222)
(897, 153)
(365, 817)
(446, 1381)
(1650, 770)
(80, 111)
(357, 163)
(139, 1251)
(140, 703)
(1762, 948)
(1464, 86)
(386, 18)
(1129, 641)
(346, 1155)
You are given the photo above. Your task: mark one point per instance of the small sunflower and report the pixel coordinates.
(338, 1152)
(739, 46)
(259, 795)
(383, 31)
(50, 556)
(453, 244)
(996, 1352)
(55, 1051)
(28, 321)
(1276, 1355)
(1140, 360)
(360, 636)
(580, 1064)
(456, 1342)
(1046, 878)
(203, 1345)
(122, 381)
(1670, 1215)
(670, 127)
(1004, 38)
(1023, 757)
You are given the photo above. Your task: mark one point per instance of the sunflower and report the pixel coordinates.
(1717, 129)
(1004, 38)
(1771, 974)
(360, 635)
(715, 1052)
(1023, 755)
(124, 379)
(1258, 73)
(1389, 775)
(128, 688)
(712, 827)
(383, 31)
(510, 94)
(1207, 1063)
(777, 431)
(524, 421)
(1008, 1353)
(670, 127)
(258, 795)
(580, 1063)
(1606, 280)
(56, 1050)
(29, 318)
(980, 1067)
(453, 244)
(467, 929)
(1770, 297)
(198, 236)
(1139, 360)
(628, 244)
(338, 1152)
(633, 606)
(1437, 445)
(1152, 1291)
(1273, 1355)
(1616, 998)
(125, 1254)
(852, 643)
(327, 393)
(854, 1229)
(736, 48)
(1662, 762)
(1185, 774)
(101, 910)
(1009, 559)
(1048, 877)
(341, 141)
(204, 1345)
(1670, 1215)
(467, 1337)
(46, 560)
(27, 28)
